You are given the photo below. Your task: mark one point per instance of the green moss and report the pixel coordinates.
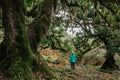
(43, 68)
(19, 47)
(20, 70)
(43, 20)
(20, 67)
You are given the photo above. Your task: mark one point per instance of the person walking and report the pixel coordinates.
(73, 60)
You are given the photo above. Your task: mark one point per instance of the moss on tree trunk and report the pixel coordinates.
(16, 55)
(15, 52)
(37, 31)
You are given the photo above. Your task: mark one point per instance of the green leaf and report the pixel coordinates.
(97, 20)
(28, 3)
(91, 13)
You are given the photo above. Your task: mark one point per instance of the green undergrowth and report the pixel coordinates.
(20, 71)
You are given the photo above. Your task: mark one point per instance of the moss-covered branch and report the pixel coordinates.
(39, 27)
(37, 30)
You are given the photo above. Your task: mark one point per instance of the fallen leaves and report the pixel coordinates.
(107, 75)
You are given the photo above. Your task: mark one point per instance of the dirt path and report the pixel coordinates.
(83, 72)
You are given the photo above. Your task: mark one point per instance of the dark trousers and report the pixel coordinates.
(72, 65)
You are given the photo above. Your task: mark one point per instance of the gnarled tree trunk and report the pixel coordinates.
(109, 61)
(16, 53)
(38, 30)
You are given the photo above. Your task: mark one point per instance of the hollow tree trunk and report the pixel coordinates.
(15, 52)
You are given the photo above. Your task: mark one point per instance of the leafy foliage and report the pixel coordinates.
(98, 21)
(57, 39)
(28, 3)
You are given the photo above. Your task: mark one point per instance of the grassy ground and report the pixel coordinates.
(61, 66)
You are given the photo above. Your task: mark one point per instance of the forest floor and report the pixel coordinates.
(59, 62)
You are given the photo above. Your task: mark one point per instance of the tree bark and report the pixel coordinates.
(16, 56)
(109, 61)
(15, 52)
(37, 31)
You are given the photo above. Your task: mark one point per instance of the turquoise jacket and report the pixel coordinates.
(73, 58)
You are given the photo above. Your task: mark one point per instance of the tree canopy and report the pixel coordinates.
(26, 23)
